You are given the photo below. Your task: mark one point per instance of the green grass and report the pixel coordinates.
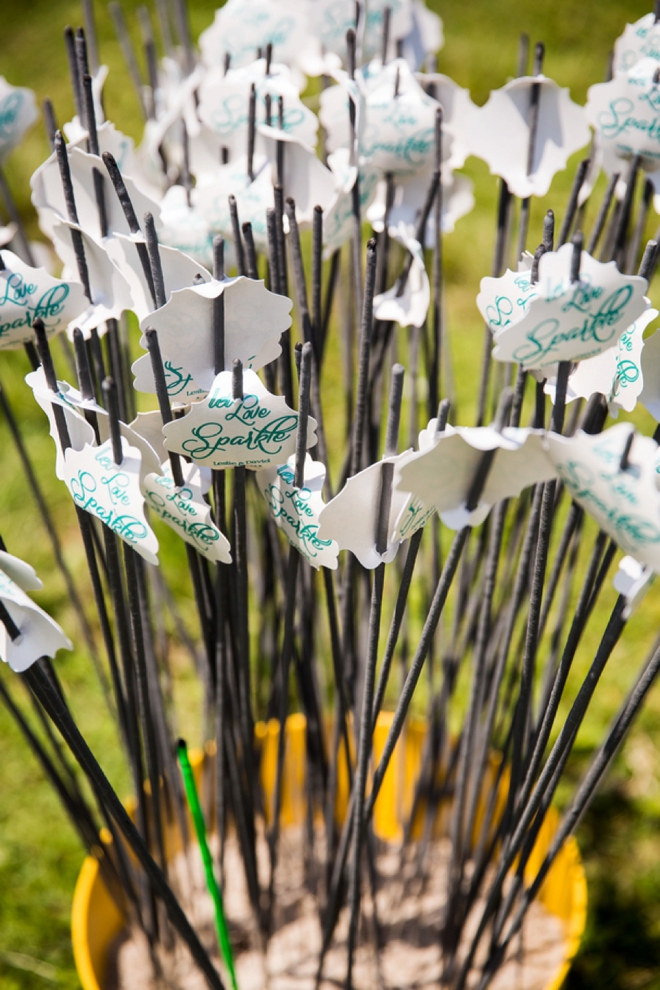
(39, 853)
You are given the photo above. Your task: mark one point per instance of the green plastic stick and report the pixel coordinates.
(211, 882)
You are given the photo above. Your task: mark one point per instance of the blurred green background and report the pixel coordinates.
(39, 853)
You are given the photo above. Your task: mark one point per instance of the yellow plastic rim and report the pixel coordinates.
(96, 921)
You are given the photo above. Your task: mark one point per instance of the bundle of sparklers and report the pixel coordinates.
(330, 570)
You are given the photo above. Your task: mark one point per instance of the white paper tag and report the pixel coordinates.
(650, 394)
(338, 222)
(20, 572)
(616, 373)
(210, 198)
(225, 102)
(29, 293)
(257, 431)
(457, 109)
(184, 227)
(48, 196)
(39, 634)
(109, 289)
(296, 510)
(242, 26)
(499, 133)
(626, 113)
(179, 271)
(625, 504)
(399, 132)
(81, 433)
(18, 112)
(254, 321)
(441, 472)
(185, 511)
(570, 321)
(505, 300)
(111, 493)
(411, 307)
(409, 198)
(350, 518)
(639, 40)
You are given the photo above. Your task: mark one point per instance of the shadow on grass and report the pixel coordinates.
(620, 843)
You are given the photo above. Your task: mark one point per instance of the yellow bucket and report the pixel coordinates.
(96, 920)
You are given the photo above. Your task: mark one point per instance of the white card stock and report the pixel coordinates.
(254, 320)
(18, 111)
(296, 510)
(441, 473)
(29, 293)
(350, 518)
(570, 321)
(257, 431)
(409, 307)
(184, 510)
(111, 492)
(39, 634)
(499, 132)
(625, 504)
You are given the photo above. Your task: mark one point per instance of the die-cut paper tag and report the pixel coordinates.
(175, 101)
(504, 300)
(80, 431)
(639, 40)
(409, 197)
(20, 572)
(410, 308)
(616, 373)
(27, 293)
(257, 431)
(350, 517)
(399, 132)
(255, 319)
(441, 472)
(48, 196)
(225, 102)
(296, 510)
(457, 110)
(179, 271)
(499, 133)
(568, 321)
(181, 385)
(242, 26)
(39, 634)
(334, 110)
(304, 173)
(338, 222)
(18, 111)
(626, 114)
(149, 425)
(111, 492)
(329, 20)
(185, 511)
(413, 516)
(425, 38)
(184, 227)
(120, 146)
(109, 289)
(210, 198)
(625, 504)
(401, 24)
